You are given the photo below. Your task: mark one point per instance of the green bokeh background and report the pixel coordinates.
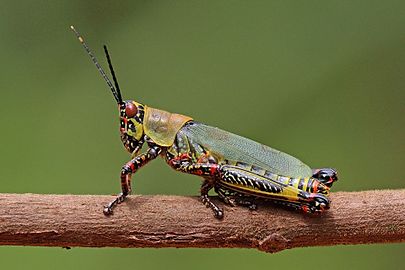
(323, 81)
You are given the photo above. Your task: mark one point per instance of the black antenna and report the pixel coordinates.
(117, 87)
(100, 69)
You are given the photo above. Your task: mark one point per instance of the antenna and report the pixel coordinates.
(117, 87)
(117, 95)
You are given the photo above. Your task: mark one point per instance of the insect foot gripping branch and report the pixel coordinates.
(239, 170)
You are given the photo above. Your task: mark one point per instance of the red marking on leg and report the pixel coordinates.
(171, 162)
(180, 158)
(131, 166)
(214, 169)
(305, 208)
(184, 156)
(125, 183)
(175, 161)
(315, 186)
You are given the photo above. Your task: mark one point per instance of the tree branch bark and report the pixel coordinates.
(174, 221)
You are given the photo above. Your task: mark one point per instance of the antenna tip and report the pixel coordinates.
(77, 34)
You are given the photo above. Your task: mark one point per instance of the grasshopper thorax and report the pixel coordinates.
(131, 125)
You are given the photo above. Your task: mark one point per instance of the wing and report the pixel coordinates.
(237, 148)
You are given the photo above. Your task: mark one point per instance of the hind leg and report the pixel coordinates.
(233, 198)
(246, 201)
(225, 196)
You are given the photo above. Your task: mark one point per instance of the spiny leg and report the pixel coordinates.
(247, 201)
(226, 198)
(127, 170)
(205, 187)
(234, 198)
(108, 209)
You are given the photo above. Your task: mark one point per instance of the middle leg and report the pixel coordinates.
(205, 187)
(210, 173)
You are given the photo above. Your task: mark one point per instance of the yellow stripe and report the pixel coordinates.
(296, 182)
(305, 185)
(289, 193)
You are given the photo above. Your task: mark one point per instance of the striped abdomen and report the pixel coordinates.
(307, 184)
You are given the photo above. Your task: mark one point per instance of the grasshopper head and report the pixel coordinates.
(131, 125)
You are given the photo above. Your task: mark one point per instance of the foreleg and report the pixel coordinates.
(126, 173)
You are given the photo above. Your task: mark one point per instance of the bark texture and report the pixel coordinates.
(174, 221)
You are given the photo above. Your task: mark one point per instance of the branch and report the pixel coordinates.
(174, 221)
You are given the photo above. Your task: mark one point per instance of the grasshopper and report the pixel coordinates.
(238, 169)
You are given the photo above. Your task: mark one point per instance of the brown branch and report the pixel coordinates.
(174, 221)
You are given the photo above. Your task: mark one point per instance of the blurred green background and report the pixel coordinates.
(323, 81)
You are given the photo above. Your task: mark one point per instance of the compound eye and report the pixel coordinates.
(131, 109)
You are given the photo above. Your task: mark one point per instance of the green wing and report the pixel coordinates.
(237, 148)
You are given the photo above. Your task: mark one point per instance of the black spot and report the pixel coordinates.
(131, 127)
